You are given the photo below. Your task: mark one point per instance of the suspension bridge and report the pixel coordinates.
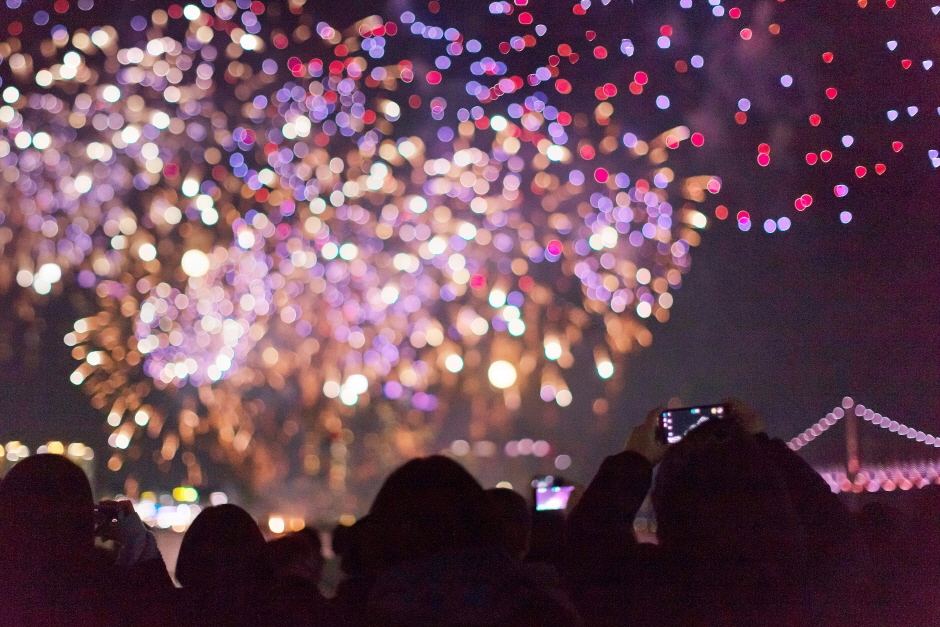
(856, 476)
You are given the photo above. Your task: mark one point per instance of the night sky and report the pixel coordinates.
(788, 322)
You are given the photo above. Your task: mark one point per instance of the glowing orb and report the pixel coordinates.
(195, 263)
(502, 374)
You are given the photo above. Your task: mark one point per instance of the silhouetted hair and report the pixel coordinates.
(223, 548)
(312, 536)
(288, 549)
(426, 506)
(340, 539)
(509, 520)
(725, 519)
(46, 515)
(296, 554)
(361, 547)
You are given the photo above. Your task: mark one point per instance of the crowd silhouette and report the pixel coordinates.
(747, 534)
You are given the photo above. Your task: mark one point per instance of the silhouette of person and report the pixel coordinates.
(224, 571)
(729, 548)
(53, 574)
(510, 520)
(438, 567)
(298, 564)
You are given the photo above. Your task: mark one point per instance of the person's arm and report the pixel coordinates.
(604, 515)
(138, 577)
(600, 528)
(136, 542)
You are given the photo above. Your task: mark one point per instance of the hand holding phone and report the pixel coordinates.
(108, 513)
(644, 440)
(118, 521)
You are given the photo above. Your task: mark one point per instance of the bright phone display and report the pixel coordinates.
(674, 424)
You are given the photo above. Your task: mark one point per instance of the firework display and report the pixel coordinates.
(288, 222)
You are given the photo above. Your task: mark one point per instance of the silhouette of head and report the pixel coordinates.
(509, 520)
(715, 489)
(46, 514)
(724, 515)
(297, 555)
(312, 536)
(223, 550)
(360, 547)
(341, 540)
(426, 506)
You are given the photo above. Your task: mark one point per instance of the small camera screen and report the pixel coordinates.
(552, 497)
(676, 423)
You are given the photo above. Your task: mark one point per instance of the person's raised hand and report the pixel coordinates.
(127, 529)
(643, 439)
(746, 417)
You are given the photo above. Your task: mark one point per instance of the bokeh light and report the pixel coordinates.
(280, 242)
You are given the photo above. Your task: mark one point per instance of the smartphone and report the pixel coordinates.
(106, 513)
(550, 496)
(674, 424)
